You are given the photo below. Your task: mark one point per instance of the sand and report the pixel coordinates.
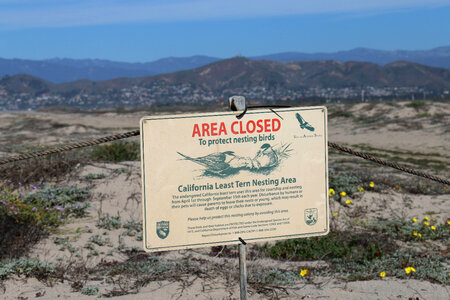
(119, 194)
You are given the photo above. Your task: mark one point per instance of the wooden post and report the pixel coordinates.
(243, 270)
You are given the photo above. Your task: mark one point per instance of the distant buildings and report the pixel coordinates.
(165, 93)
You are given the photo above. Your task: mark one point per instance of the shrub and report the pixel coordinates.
(95, 176)
(416, 104)
(340, 113)
(343, 182)
(109, 222)
(55, 204)
(274, 277)
(90, 290)
(26, 215)
(428, 267)
(55, 167)
(97, 239)
(117, 151)
(27, 267)
(133, 225)
(334, 245)
(408, 230)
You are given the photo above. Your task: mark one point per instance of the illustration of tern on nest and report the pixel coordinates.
(224, 164)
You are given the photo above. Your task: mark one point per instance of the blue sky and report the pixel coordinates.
(136, 30)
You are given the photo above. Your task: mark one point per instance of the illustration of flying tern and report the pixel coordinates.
(303, 123)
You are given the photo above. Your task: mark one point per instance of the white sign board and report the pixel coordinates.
(210, 179)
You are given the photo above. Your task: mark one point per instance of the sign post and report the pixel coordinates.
(243, 270)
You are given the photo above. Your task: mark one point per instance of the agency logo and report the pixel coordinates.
(162, 229)
(303, 123)
(311, 216)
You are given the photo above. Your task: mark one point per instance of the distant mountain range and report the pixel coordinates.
(437, 57)
(59, 70)
(259, 80)
(241, 72)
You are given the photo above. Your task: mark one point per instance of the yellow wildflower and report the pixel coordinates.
(371, 184)
(414, 220)
(304, 272)
(426, 219)
(348, 202)
(426, 223)
(414, 233)
(383, 274)
(419, 234)
(448, 223)
(335, 214)
(343, 194)
(361, 189)
(433, 228)
(409, 270)
(331, 192)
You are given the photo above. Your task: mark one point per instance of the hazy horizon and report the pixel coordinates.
(206, 55)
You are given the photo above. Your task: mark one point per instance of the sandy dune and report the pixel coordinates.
(391, 130)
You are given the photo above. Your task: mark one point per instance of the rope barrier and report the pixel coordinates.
(137, 132)
(71, 147)
(388, 163)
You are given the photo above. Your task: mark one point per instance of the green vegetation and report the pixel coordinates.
(92, 176)
(372, 251)
(372, 120)
(117, 152)
(26, 215)
(65, 244)
(98, 240)
(416, 104)
(427, 267)
(149, 265)
(48, 206)
(51, 168)
(398, 152)
(120, 171)
(90, 290)
(27, 267)
(344, 182)
(410, 230)
(423, 115)
(109, 222)
(340, 113)
(133, 228)
(273, 277)
(412, 159)
(334, 245)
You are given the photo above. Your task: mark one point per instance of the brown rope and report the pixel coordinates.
(388, 163)
(71, 147)
(137, 132)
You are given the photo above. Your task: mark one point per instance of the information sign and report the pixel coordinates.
(210, 179)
